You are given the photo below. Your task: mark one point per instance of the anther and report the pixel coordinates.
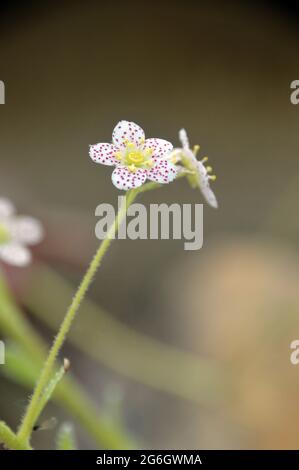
(196, 149)
(118, 155)
(132, 168)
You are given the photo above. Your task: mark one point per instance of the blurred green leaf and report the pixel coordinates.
(66, 437)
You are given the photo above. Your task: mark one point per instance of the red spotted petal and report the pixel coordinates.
(163, 172)
(160, 147)
(125, 179)
(126, 131)
(103, 153)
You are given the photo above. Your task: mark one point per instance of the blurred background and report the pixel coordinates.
(188, 349)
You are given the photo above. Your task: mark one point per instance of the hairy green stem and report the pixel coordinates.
(69, 394)
(10, 439)
(28, 421)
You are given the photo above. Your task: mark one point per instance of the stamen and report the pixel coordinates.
(132, 168)
(204, 159)
(175, 156)
(196, 149)
(118, 155)
(212, 177)
(209, 169)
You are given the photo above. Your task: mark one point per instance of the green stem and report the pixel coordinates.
(28, 421)
(9, 438)
(48, 392)
(69, 393)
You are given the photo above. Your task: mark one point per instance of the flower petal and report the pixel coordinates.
(205, 185)
(26, 230)
(103, 153)
(184, 139)
(6, 207)
(126, 131)
(15, 254)
(160, 147)
(209, 195)
(191, 158)
(125, 179)
(163, 172)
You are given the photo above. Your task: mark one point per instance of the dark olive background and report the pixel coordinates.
(223, 71)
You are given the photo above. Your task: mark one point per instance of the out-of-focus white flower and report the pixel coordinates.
(135, 158)
(16, 234)
(199, 175)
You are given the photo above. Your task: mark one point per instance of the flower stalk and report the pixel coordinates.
(24, 362)
(28, 421)
(10, 439)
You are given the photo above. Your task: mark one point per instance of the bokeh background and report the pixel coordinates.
(188, 349)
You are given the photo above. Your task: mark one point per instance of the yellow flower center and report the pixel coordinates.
(4, 234)
(135, 158)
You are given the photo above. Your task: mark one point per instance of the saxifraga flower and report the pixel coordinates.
(135, 159)
(16, 234)
(199, 175)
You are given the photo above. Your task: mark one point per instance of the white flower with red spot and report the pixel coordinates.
(16, 234)
(136, 159)
(198, 173)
